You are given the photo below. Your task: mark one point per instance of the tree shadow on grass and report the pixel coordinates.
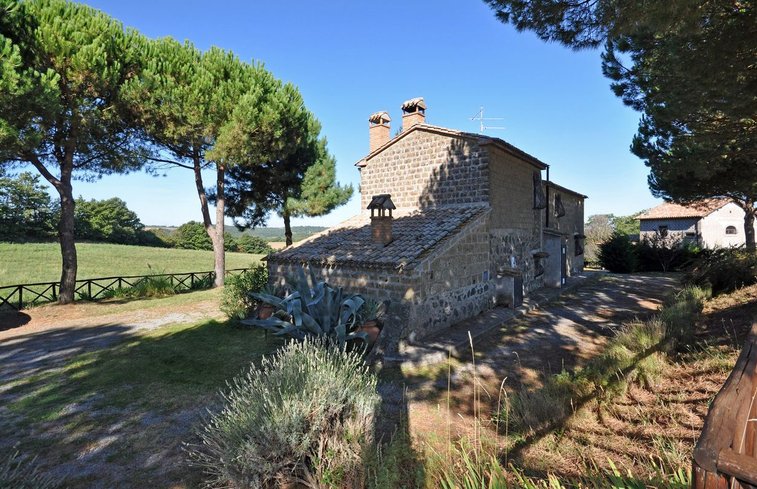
(13, 319)
(118, 416)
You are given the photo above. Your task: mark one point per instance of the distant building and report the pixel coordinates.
(710, 223)
(452, 223)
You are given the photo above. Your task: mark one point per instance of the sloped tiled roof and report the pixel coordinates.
(351, 244)
(669, 210)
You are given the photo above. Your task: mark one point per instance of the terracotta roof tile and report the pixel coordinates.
(669, 210)
(350, 243)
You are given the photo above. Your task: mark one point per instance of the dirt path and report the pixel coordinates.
(561, 335)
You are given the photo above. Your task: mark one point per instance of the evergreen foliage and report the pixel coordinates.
(236, 301)
(617, 254)
(26, 210)
(252, 244)
(723, 270)
(298, 180)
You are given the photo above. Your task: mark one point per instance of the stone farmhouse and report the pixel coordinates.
(452, 224)
(710, 223)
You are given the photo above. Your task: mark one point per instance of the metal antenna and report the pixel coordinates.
(480, 118)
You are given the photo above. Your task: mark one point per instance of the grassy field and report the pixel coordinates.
(41, 262)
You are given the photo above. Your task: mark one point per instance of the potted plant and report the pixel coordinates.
(265, 310)
(371, 315)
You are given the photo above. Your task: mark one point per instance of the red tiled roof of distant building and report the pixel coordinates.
(669, 210)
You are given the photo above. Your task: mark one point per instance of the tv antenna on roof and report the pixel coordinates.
(480, 118)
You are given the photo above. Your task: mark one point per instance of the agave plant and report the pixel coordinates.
(317, 310)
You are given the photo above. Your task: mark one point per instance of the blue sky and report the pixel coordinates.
(352, 58)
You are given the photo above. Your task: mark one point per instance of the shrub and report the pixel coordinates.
(236, 301)
(723, 270)
(153, 286)
(253, 244)
(617, 254)
(679, 315)
(305, 414)
(18, 472)
(535, 409)
(658, 254)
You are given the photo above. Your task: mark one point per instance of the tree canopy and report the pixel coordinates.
(107, 220)
(82, 97)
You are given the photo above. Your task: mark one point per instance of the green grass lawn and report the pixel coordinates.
(40, 262)
(168, 368)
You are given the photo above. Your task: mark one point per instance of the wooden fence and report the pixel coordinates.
(20, 296)
(726, 453)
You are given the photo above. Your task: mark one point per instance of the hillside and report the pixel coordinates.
(269, 233)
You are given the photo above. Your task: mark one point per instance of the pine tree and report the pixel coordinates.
(185, 99)
(62, 69)
(298, 179)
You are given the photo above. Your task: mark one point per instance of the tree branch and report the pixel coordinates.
(171, 162)
(34, 160)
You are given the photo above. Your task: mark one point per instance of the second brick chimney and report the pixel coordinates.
(413, 112)
(378, 129)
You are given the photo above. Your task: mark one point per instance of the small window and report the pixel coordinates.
(540, 200)
(663, 230)
(579, 244)
(559, 207)
(731, 230)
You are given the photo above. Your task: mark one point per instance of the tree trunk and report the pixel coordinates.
(749, 226)
(67, 241)
(218, 247)
(209, 228)
(287, 227)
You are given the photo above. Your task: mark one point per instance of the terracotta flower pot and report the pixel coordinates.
(265, 311)
(372, 329)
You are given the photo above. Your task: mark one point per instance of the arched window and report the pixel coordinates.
(731, 230)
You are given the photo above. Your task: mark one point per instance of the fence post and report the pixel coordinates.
(89, 290)
(20, 297)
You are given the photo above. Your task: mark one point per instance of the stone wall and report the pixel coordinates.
(426, 169)
(449, 307)
(460, 262)
(377, 284)
(506, 244)
(515, 226)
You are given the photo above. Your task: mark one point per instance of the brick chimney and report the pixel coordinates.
(413, 112)
(378, 129)
(381, 223)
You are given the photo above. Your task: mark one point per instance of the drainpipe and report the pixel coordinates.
(546, 225)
